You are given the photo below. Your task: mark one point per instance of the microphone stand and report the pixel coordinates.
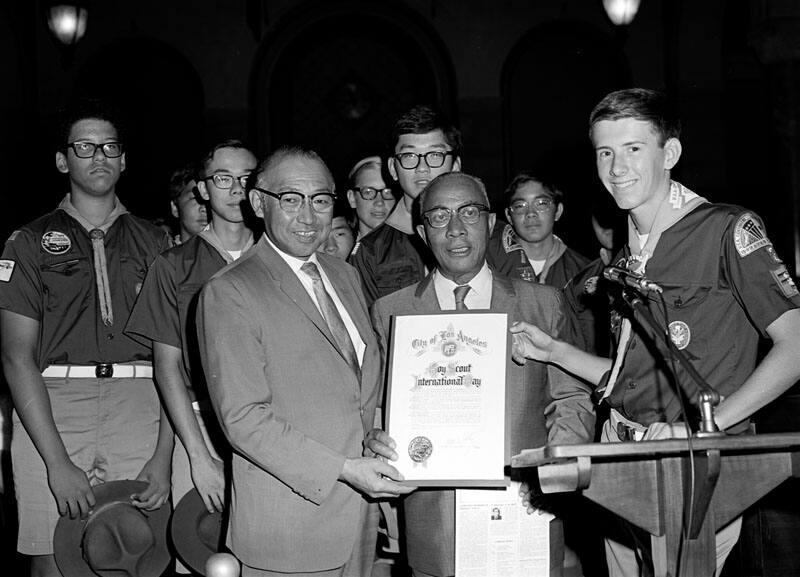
(708, 398)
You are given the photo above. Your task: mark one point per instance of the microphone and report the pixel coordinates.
(627, 278)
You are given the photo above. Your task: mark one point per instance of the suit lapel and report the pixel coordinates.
(504, 297)
(425, 299)
(290, 285)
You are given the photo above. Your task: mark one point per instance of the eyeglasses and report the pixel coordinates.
(84, 149)
(293, 201)
(368, 193)
(439, 217)
(540, 205)
(225, 181)
(434, 158)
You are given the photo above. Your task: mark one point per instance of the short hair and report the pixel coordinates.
(640, 104)
(85, 109)
(422, 119)
(527, 176)
(180, 178)
(444, 179)
(267, 165)
(206, 160)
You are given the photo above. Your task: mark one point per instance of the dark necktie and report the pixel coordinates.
(331, 315)
(460, 293)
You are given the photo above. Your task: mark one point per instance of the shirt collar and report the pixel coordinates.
(400, 218)
(480, 286)
(293, 262)
(118, 210)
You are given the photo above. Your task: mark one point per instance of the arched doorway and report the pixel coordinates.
(551, 81)
(334, 76)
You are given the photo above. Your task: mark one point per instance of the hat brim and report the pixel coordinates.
(69, 532)
(189, 546)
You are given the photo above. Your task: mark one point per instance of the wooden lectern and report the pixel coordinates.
(649, 483)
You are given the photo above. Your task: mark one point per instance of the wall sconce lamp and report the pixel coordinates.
(67, 20)
(621, 12)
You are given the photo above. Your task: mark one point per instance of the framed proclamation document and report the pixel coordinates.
(445, 404)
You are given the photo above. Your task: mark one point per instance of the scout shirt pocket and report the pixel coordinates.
(66, 281)
(133, 272)
(688, 326)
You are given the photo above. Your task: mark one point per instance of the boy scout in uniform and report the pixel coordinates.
(86, 409)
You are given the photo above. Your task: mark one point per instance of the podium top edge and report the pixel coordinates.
(644, 449)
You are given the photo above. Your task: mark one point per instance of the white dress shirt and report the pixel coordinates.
(478, 297)
(295, 264)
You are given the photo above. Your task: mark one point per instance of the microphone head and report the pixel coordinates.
(615, 273)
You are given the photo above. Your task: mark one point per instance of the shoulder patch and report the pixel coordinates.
(749, 235)
(12, 236)
(6, 268)
(785, 281)
(56, 242)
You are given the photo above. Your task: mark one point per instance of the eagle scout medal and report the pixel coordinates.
(680, 334)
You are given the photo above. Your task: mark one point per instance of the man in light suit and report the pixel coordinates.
(293, 370)
(543, 404)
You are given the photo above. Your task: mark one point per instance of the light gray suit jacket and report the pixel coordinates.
(543, 404)
(291, 407)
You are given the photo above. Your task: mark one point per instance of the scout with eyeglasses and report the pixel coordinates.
(368, 195)
(526, 247)
(83, 390)
(164, 314)
(425, 144)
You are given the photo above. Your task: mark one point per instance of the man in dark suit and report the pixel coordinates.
(293, 369)
(543, 404)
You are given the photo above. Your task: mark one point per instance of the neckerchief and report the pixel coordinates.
(678, 203)
(97, 234)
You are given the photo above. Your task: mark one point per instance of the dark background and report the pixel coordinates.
(518, 76)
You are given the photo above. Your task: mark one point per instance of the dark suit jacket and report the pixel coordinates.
(291, 408)
(543, 404)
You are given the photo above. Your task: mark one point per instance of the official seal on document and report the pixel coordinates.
(419, 449)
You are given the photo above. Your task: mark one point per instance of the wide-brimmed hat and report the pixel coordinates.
(196, 533)
(116, 538)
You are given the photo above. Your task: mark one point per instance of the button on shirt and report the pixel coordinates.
(295, 264)
(479, 296)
